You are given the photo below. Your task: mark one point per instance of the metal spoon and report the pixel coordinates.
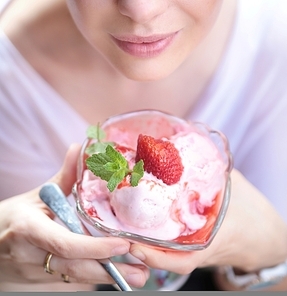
(54, 198)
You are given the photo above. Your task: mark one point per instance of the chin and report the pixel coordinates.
(149, 71)
(142, 77)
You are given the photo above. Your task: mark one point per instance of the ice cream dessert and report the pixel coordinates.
(167, 185)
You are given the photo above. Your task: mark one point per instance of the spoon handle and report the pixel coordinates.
(54, 198)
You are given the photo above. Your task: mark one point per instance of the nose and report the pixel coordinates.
(142, 11)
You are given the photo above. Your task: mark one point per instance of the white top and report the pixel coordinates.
(246, 100)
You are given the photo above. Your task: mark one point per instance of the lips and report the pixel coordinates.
(144, 47)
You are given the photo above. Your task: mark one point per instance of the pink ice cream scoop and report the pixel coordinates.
(183, 215)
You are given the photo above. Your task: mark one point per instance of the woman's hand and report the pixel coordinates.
(28, 233)
(252, 236)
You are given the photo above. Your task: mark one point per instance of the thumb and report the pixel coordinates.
(67, 175)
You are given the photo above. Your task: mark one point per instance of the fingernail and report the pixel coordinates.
(138, 254)
(120, 250)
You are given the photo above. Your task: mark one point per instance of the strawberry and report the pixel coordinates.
(160, 158)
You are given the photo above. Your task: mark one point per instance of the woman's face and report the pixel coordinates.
(145, 39)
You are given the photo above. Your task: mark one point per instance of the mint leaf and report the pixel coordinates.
(95, 164)
(116, 157)
(112, 167)
(95, 132)
(95, 148)
(116, 179)
(137, 173)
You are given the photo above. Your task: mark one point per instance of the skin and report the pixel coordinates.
(235, 242)
(58, 45)
(59, 50)
(22, 252)
(193, 20)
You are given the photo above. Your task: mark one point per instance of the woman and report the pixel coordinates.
(70, 65)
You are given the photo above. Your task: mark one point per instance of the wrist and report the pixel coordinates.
(264, 278)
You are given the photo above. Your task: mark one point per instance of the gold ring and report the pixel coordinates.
(65, 278)
(47, 263)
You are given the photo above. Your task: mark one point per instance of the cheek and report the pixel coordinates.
(200, 17)
(204, 13)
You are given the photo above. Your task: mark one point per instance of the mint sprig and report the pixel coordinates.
(112, 167)
(95, 132)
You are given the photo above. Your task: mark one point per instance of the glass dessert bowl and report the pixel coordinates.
(175, 213)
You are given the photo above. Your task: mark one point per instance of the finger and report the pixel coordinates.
(79, 270)
(90, 271)
(45, 235)
(70, 245)
(26, 273)
(182, 262)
